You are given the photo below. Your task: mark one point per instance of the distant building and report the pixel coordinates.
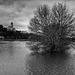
(11, 27)
(23, 31)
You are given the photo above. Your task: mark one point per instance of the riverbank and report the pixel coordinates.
(13, 40)
(34, 40)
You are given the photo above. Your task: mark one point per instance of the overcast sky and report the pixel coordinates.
(21, 11)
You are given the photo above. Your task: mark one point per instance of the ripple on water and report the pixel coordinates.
(16, 59)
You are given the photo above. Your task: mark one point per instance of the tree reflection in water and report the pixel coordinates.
(50, 64)
(46, 63)
(40, 47)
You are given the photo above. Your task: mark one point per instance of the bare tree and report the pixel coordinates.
(54, 25)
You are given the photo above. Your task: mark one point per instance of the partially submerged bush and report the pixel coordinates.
(54, 26)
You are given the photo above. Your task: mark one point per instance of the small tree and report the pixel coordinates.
(53, 25)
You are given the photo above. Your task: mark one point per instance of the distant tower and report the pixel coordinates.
(11, 27)
(11, 24)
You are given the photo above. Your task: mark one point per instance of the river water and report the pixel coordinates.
(16, 59)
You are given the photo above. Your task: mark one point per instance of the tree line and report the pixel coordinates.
(10, 34)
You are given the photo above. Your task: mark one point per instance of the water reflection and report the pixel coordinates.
(50, 64)
(7, 47)
(38, 47)
(12, 57)
(55, 64)
(16, 59)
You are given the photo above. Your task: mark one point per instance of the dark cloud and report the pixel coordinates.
(8, 2)
(11, 2)
(21, 11)
(18, 4)
(4, 2)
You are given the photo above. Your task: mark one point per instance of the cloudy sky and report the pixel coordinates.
(21, 11)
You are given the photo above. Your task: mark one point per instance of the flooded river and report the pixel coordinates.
(16, 59)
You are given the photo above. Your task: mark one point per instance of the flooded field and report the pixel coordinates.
(16, 59)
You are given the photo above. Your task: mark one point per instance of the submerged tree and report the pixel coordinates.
(54, 25)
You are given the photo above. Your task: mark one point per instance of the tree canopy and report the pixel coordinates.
(54, 25)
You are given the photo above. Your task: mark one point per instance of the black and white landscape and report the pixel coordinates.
(37, 37)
